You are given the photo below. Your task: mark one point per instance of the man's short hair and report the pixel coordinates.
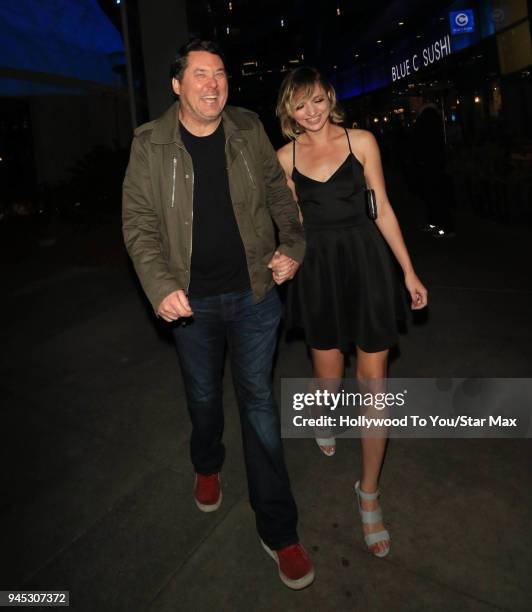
(181, 59)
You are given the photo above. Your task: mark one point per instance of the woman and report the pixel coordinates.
(345, 295)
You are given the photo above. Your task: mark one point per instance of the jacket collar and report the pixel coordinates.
(166, 128)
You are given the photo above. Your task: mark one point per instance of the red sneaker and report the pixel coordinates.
(207, 492)
(295, 566)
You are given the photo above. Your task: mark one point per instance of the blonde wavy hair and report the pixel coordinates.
(303, 80)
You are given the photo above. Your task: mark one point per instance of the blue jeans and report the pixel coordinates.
(250, 332)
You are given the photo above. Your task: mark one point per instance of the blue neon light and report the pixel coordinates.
(58, 37)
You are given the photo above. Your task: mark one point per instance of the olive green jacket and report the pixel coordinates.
(158, 210)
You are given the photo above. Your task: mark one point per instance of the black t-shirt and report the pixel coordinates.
(218, 258)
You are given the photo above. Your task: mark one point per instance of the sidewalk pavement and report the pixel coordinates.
(97, 482)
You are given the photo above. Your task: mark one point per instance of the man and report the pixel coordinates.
(201, 189)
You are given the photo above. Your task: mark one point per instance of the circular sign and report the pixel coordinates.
(498, 15)
(461, 20)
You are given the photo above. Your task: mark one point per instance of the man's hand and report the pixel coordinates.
(283, 267)
(174, 306)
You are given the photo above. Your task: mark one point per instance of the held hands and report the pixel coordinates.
(174, 306)
(417, 291)
(283, 267)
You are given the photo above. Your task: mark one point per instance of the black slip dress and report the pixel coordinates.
(347, 292)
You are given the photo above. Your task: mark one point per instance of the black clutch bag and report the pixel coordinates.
(371, 204)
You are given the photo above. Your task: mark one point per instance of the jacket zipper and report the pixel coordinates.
(173, 182)
(191, 216)
(252, 182)
(191, 221)
(247, 168)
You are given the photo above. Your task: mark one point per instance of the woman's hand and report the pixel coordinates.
(417, 291)
(283, 267)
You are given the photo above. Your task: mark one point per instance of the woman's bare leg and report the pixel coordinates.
(328, 365)
(372, 366)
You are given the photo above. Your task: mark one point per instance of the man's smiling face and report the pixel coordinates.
(203, 89)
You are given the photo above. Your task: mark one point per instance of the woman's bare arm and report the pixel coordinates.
(284, 154)
(386, 220)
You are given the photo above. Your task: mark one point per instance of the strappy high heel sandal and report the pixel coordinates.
(372, 516)
(327, 445)
(325, 440)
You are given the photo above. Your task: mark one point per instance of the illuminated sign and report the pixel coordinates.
(462, 22)
(430, 54)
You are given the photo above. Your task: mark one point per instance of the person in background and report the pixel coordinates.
(201, 194)
(430, 178)
(346, 296)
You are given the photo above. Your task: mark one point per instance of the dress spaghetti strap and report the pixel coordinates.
(348, 142)
(293, 153)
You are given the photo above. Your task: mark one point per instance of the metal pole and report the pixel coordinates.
(129, 67)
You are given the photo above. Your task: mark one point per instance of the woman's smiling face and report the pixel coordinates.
(312, 112)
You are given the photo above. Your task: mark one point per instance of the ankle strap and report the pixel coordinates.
(366, 496)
